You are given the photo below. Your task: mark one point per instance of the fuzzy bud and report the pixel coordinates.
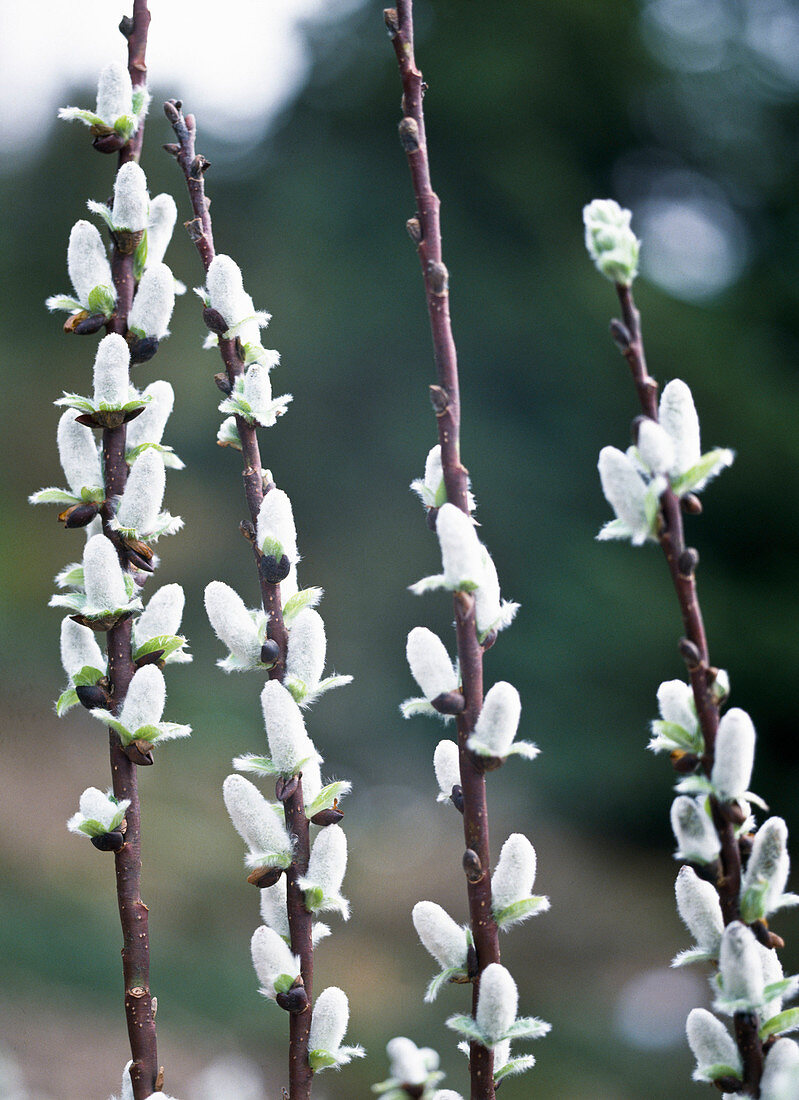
(256, 823)
(611, 243)
(273, 908)
(677, 415)
(225, 287)
(410, 1064)
(768, 864)
(430, 664)
(676, 704)
(289, 743)
(102, 575)
(98, 813)
(114, 93)
(446, 763)
(144, 493)
(491, 612)
(131, 201)
(461, 553)
(696, 837)
(331, 1013)
(87, 262)
(111, 372)
(276, 533)
(655, 447)
(780, 1079)
(77, 452)
(163, 215)
(497, 1003)
(698, 905)
(162, 615)
(273, 961)
(498, 722)
(233, 623)
(711, 1043)
(305, 659)
(514, 875)
(734, 756)
(740, 967)
(79, 648)
(149, 426)
(155, 299)
(144, 703)
(326, 868)
(440, 935)
(626, 492)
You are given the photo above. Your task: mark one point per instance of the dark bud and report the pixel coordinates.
(172, 148)
(733, 813)
(127, 241)
(108, 842)
(89, 325)
(74, 320)
(215, 321)
(473, 868)
(438, 277)
(138, 562)
(414, 227)
(688, 561)
(153, 658)
(727, 1084)
(294, 1001)
(109, 142)
(620, 335)
(199, 166)
(416, 1092)
(764, 936)
(449, 702)
(272, 570)
(456, 794)
(684, 762)
(691, 504)
(270, 653)
(79, 514)
(139, 752)
(689, 652)
(391, 21)
(490, 638)
(409, 134)
(439, 399)
(328, 817)
(223, 383)
(264, 876)
(92, 696)
(432, 517)
(248, 530)
(745, 844)
(126, 26)
(159, 1077)
(471, 961)
(142, 351)
(285, 788)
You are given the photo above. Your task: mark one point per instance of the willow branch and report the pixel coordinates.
(425, 230)
(193, 167)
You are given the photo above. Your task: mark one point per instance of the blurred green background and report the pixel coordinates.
(685, 110)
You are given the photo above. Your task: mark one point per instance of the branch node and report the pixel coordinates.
(473, 868)
(414, 227)
(199, 166)
(126, 26)
(223, 383)
(391, 20)
(688, 561)
(439, 399)
(194, 228)
(437, 278)
(247, 528)
(690, 653)
(409, 134)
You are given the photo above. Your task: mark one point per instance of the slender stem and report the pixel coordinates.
(200, 230)
(425, 229)
(701, 675)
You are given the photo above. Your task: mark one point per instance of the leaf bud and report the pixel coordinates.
(142, 350)
(691, 504)
(79, 515)
(456, 797)
(472, 866)
(90, 324)
(171, 147)
(684, 763)
(215, 321)
(109, 143)
(449, 702)
(108, 842)
(92, 696)
(409, 134)
(286, 788)
(272, 570)
(139, 752)
(688, 561)
(264, 876)
(438, 278)
(295, 1001)
(331, 816)
(620, 335)
(414, 228)
(690, 653)
(391, 21)
(270, 653)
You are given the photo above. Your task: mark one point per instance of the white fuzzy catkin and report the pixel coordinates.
(430, 664)
(131, 201)
(276, 523)
(289, 743)
(491, 612)
(144, 703)
(697, 839)
(446, 764)
(114, 93)
(274, 913)
(677, 414)
(498, 721)
(163, 215)
(79, 648)
(307, 645)
(253, 818)
(271, 957)
(780, 1080)
(152, 307)
(111, 365)
(440, 935)
(102, 576)
(675, 703)
(327, 866)
(232, 622)
(514, 875)
(258, 393)
(624, 490)
(699, 906)
(410, 1065)
(655, 447)
(225, 287)
(87, 261)
(331, 1013)
(78, 454)
(149, 425)
(769, 861)
(710, 1043)
(433, 474)
(162, 615)
(497, 1002)
(141, 501)
(461, 553)
(772, 972)
(740, 966)
(734, 755)
(96, 805)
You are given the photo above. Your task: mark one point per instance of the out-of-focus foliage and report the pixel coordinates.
(685, 110)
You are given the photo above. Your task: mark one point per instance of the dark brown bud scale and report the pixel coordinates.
(272, 570)
(142, 350)
(438, 278)
(270, 653)
(472, 867)
(414, 227)
(684, 762)
(620, 335)
(449, 702)
(472, 965)
(139, 752)
(199, 166)
(172, 148)
(688, 561)
(285, 788)
(691, 504)
(215, 321)
(153, 658)
(92, 696)
(432, 517)
(439, 398)
(90, 324)
(127, 241)
(392, 22)
(107, 141)
(690, 653)
(108, 842)
(247, 528)
(264, 876)
(294, 1001)
(727, 1084)
(331, 816)
(409, 134)
(126, 26)
(489, 640)
(79, 515)
(762, 934)
(456, 797)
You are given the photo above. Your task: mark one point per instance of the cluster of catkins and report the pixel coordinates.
(467, 567)
(105, 588)
(292, 755)
(748, 977)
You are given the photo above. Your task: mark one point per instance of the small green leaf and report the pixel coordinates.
(678, 736)
(87, 677)
(314, 899)
(284, 982)
(54, 496)
(521, 910)
(66, 701)
(321, 1059)
(528, 1027)
(140, 258)
(514, 1066)
(780, 1024)
(717, 1070)
(167, 643)
(467, 1026)
(101, 300)
(306, 597)
(753, 902)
